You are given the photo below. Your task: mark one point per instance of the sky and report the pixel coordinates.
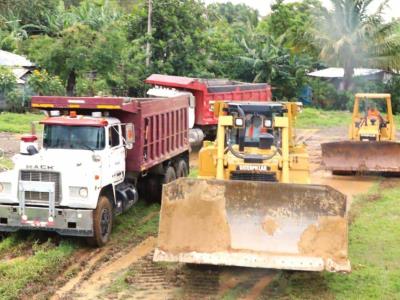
(263, 6)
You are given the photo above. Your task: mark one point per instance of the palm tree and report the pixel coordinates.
(350, 37)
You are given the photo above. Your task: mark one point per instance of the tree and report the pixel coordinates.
(349, 37)
(42, 83)
(178, 41)
(231, 13)
(33, 13)
(290, 23)
(275, 64)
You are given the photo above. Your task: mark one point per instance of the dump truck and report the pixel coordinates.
(252, 204)
(372, 146)
(203, 95)
(98, 155)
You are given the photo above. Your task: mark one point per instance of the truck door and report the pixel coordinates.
(117, 154)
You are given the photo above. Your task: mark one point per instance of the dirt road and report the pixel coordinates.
(127, 272)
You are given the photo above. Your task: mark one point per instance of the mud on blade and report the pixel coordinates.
(361, 156)
(253, 224)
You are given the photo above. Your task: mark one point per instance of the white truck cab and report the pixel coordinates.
(69, 183)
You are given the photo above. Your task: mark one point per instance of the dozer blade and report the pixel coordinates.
(253, 224)
(361, 156)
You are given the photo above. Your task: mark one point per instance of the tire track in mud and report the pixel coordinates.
(92, 287)
(149, 280)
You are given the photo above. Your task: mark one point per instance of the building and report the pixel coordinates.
(335, 75)
(20, 67)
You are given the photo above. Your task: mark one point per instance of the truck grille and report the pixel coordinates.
(41, 198)
(252, 176)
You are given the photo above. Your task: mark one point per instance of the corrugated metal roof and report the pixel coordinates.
(13, 60)
(19, 73)
(339, 72)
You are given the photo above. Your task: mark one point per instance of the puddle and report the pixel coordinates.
(351, 186)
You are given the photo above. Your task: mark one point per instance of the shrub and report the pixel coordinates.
(42, 83)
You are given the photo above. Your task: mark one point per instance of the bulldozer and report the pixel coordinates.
(372, 147)
(252, 204)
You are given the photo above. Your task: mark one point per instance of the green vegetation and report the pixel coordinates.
(31, 262)
(374, 252)
(316, 118)
(99, 47)
(194, 173)
(19, 273)
(140, 221)
(18, 123)
(6, 163)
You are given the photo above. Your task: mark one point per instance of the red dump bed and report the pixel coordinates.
(161, 124)
(207, 91)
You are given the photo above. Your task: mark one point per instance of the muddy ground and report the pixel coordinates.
(128, 272)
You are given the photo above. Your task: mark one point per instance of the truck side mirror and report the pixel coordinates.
(129, 135)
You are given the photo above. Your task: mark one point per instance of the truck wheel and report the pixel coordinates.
(153, 189)
(182, 169)
(169, 175)
(102, 222)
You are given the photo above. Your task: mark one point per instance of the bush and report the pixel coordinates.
(88, 87)
(42, 83)
(326, 96)
(17, 101)
(8, 82)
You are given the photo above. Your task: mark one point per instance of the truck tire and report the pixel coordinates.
(102, 222)
(153, 189)
(169, 175)
(182, 169)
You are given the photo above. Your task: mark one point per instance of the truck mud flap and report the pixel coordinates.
(253, 224)
(357, 156)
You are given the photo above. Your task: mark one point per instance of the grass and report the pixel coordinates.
(37, 261)
(18, 276)
(6, 163)
(374, 254)
(18, 123)
(128, 226)
(194, 173)
(317, 118)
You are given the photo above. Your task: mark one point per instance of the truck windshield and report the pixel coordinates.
(73, 137)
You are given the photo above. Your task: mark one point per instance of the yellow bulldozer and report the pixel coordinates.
(372, 147)
(252, 204)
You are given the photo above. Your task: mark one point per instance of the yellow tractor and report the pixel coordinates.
(252, 205)
(372, 146)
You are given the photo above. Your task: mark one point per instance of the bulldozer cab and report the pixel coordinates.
(372, 118)
(253, 124)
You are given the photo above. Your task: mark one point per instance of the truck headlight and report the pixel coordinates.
(78, 192)
(83, 192)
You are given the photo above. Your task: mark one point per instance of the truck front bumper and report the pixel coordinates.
(73, 222)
